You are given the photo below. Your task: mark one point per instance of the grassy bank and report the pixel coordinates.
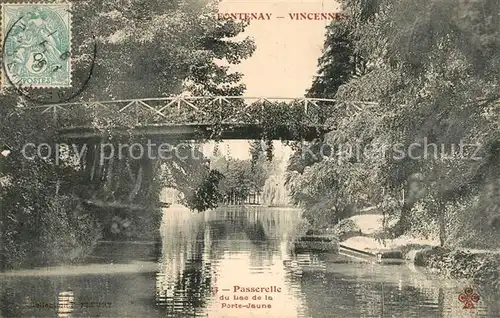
(480, 266)
(58, 230)
(363, 233)
(65, 231)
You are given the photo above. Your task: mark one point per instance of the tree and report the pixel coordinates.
(441, 82)
(207, 195)
(428, 76)
(242, 177)
(338, 63)
(144, 49)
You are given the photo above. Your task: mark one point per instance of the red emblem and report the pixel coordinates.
(468, 297)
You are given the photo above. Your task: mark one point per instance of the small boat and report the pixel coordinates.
(359, 255)
(386, 257)
(317, 242)
(390, 257)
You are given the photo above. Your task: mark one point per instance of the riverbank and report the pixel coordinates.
(479, 266)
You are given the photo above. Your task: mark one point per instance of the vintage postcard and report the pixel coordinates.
(250, 158)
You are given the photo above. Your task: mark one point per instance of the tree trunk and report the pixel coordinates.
(403, 223)
(108, 185)
(137, 185)
(442, 223)
(153, 165)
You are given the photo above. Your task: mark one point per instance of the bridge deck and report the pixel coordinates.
(194, 117)
(196, 131)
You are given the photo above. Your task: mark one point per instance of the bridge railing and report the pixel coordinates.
(180, 110)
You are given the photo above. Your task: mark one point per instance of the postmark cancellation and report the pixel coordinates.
(36, 41)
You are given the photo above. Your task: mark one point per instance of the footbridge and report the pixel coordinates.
(198, 117)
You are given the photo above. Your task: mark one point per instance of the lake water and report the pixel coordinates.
(207, 256)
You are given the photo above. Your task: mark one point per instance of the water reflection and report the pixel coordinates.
(249, 247)
(194, 247)
(205, 255)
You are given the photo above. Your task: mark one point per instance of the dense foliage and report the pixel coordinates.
(432, 68)
(482, 268)
(144, 49)
(242, 177)
(207, 194)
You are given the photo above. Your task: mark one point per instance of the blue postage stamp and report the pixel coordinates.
(36, 45)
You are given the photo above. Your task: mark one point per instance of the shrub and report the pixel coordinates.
(346, 228)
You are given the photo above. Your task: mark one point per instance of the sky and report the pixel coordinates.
(285, 61)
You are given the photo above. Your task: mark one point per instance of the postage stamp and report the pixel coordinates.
(36, 45)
